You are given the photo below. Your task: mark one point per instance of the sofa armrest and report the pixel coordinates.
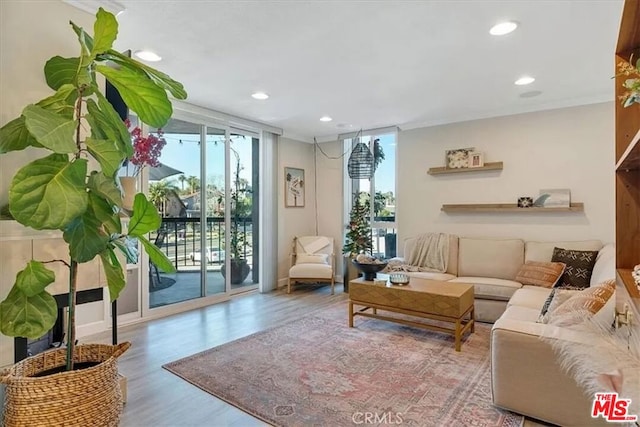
(526, 376)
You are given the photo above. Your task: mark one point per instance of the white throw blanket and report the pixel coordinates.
(430, 253)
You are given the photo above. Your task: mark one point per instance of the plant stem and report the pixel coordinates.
(71, 327)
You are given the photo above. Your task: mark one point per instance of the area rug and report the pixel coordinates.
(317, 371)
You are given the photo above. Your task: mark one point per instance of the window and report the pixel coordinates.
(381, 188)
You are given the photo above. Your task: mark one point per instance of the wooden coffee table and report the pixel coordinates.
(421, 298)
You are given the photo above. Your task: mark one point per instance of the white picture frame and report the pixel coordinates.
(476, 159)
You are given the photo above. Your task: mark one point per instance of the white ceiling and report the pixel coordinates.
(371, 64)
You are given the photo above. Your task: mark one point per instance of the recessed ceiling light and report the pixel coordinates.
(259, 95)
(503, 28)
(524, 80)
(147, 55)
(325, 119)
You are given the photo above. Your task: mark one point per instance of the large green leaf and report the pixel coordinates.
(161, 79)
(104, 213)
(62, 102)
(107, 154)
(129, 247)
(145, 217)
(34, 278)
(111, 116)
(59, 71)
(148, 100)
(105, 187)
(85, 234)
(14, 136)
(49, 192)
(50, 129)
(105, 31)
(85, 39)
(29, 317)
(157, 257)
(113, 272)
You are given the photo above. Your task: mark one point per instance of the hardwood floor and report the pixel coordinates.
(157, 397)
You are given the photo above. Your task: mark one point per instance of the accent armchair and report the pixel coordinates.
(312, 260)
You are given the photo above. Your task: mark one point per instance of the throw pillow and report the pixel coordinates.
(579, 267)
(556, 298)
(312, 259)
(536, 273)
(583, 305)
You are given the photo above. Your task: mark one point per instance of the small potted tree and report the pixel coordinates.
(59, 191)
(357, 239)
(240, 208)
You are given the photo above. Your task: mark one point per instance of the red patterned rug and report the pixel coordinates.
(317, 371)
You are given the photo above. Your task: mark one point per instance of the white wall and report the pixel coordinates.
(30, 34)
(565, 148)
(294, 221)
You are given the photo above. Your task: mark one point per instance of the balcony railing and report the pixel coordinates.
(179, 239)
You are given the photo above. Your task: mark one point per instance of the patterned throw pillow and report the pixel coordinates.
(583, 305)
(312, 259)
(536, 273)
(579, 266)
(556, 298)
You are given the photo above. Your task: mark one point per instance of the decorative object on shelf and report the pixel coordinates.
(293, 187)
(557, 198)
(539, 202)
(458, 158)
(632, 84)
(398, 278)
(487, 166)
(476, 159)
(636, 275)
(77, 123)
(368, 266)
(525, 202)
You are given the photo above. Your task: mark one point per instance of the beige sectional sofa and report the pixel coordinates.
(525, 371)
(492, 264)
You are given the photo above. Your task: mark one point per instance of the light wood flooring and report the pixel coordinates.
(157, 397)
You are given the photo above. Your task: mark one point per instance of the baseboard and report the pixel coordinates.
(282, 283)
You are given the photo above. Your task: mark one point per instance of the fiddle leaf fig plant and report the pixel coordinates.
(59, 191)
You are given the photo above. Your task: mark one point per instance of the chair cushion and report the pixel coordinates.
(490, 288)
(312, 259)
(310, 271)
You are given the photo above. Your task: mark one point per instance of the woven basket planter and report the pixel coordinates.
(83, 397)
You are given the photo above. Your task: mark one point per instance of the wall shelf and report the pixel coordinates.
(507, 208)
(630, 159)
(489, 166)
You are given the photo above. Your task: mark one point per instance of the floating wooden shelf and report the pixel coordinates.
(489, 166)
(508, 207)
(630, 159)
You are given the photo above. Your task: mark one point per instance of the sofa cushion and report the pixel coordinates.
(525, 314)
(543, 251)
(579, 267)
(431, 275)
(490, 288)
(539, 273)
(499, 258)
(605, 267)
(452, 262)
(530, 297)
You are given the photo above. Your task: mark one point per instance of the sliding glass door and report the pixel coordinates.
(207, 195)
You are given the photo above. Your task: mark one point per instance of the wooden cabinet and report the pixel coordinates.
(628, 155)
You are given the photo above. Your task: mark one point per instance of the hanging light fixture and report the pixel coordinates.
(360, 165)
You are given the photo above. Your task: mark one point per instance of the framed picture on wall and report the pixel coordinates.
(476, 160)
(458, 158)
(293, 187)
